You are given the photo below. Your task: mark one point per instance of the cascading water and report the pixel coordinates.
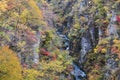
(91, 34)
(86, 45)
(77, 72)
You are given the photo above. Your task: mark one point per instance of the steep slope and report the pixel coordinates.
(63, 39)
(93, 29)
(27, 28)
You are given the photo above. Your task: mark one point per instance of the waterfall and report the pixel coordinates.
(77, 72)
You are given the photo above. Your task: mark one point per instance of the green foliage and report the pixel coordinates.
(47, 38)
(77, 23)
(101, 10)
(95, 62)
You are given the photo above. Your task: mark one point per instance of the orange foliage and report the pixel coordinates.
(3, 5)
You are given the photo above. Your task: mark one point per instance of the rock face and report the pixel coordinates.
(98, 21)
(27, 49)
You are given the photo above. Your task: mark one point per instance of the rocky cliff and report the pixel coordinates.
(92, 27)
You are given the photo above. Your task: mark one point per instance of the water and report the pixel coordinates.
(77, 72)
(86, 45)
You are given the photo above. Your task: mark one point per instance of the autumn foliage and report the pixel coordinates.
(118, 18)
(10, 68)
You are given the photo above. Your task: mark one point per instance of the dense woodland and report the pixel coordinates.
(59, 39)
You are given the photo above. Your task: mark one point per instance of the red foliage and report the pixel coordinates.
(44, 52)
(118, 18)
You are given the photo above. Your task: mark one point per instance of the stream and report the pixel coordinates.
(86, 46)
(78, 73)
(91, 37)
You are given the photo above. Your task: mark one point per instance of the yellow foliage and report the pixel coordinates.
(83, 19)
(30, 74)
(103, 41)
(95, 50)
(96, 1)
(106, 8)
(116, 41)
(51, 68)
(21, 44)
(46, 70)
(54, 66)
(35, 9)
(10, 68)
(24, 16)
(103, 50)
(77, 23)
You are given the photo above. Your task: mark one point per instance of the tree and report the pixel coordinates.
(10, 68)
